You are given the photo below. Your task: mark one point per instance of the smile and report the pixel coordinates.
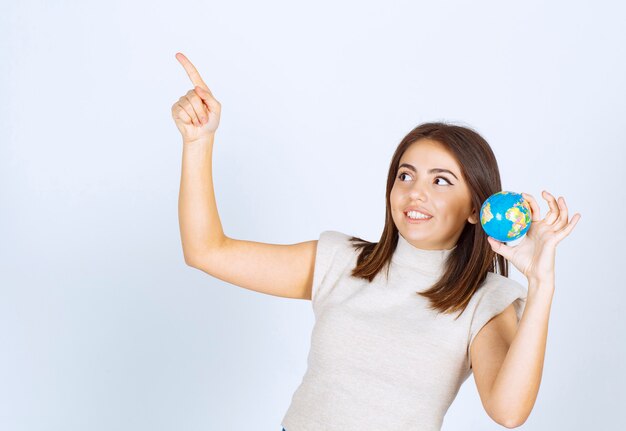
(416, 220)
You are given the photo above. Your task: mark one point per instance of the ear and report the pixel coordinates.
(473, 218)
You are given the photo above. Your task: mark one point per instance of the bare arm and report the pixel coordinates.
(274, 269)
(508, 358)
(284, 270)
(197, 116)
(199, 221)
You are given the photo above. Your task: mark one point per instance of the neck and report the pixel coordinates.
(430, 261)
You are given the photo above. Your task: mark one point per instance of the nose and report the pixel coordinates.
(418, 192)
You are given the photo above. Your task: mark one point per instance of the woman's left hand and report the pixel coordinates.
(534, 255)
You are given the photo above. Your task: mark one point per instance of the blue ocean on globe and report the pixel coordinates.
(505, 216)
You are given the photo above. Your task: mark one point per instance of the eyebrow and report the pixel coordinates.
(431, 171)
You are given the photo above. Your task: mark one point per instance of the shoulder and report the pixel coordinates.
(332, 242)
(495, 294)
(333, 258)
(334, 237)
(497, 284)
(332, 247)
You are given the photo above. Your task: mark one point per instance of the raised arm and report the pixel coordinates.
(197, 116)
(274, 269)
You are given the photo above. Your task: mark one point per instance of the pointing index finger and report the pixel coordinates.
(191, 70)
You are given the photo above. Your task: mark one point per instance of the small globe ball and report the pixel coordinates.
(505, 216)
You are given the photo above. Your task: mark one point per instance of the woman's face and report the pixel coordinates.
(443, 195)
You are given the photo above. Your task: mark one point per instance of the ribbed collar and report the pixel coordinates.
(430, 261)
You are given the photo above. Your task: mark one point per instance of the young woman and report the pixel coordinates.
(400, 323)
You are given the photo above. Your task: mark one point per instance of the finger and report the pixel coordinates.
(207, 98)
(186, 104)
(535, 210)
(553, 214)
(500, 247)
(567, 229)
(562, 220)
(198, 106)
(182, 114)
(191, 70)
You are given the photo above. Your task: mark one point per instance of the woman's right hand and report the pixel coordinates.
(197, 113)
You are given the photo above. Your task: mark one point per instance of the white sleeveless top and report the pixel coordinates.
(380, 359)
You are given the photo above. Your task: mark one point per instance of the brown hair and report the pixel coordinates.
(469, 262)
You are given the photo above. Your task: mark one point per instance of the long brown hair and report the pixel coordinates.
(469, 262)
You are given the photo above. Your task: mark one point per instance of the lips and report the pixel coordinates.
(418, 209)
(416, 221)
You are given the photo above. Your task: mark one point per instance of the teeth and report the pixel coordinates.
(417, 215)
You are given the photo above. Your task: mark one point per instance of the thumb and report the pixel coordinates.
(206, 96)
(500, 248)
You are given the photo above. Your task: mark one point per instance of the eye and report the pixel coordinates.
(400, 176)
(442, 178)
(436, 178)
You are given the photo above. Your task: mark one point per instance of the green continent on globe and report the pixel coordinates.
(519, 218)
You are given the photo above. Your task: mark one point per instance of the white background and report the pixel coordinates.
(104, 327)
